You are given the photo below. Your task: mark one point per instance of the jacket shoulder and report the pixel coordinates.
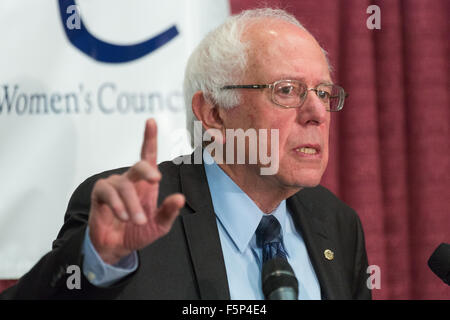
(327, 202)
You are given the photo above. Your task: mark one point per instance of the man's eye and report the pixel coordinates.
(286, 90)
(323, 94)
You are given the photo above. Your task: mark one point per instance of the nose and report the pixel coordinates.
(313, 111)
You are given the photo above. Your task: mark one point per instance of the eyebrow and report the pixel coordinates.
(289, 77)
(302, 79)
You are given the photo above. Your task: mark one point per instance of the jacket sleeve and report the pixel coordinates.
(49, 278)
(359, 286)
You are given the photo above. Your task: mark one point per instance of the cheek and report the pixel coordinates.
(326, 138)
(325, 158)
(286, 126)
(278, 132)
(239, 117)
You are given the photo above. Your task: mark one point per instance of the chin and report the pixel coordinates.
(302, 179)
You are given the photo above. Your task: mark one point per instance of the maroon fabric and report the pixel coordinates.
(390, 144)
(5, 284)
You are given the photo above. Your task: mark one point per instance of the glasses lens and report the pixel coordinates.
(289, 93)
(332, 96)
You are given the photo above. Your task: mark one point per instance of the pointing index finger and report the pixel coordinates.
(149, 146)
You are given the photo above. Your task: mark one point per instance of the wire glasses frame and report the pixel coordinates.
(293, 93)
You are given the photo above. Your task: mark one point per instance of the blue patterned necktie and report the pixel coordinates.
(268, 237)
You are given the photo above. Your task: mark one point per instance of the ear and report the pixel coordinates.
(206, 112)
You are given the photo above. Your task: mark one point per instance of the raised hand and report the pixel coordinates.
(124, 216)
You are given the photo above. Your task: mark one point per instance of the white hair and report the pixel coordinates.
(221, 59)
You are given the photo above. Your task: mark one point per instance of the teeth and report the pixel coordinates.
(307, 150)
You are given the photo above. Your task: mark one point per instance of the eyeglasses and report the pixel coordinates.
(293, 93)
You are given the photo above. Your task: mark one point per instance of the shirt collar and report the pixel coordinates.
(237, 213)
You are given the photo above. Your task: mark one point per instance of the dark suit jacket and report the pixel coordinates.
(188, 262)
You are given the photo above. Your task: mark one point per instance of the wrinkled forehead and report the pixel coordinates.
(279, 49)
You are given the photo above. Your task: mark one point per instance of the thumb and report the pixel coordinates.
(169, 210)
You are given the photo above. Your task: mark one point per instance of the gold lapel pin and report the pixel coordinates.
(329, 255)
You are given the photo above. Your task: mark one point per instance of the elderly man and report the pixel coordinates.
(196, 230)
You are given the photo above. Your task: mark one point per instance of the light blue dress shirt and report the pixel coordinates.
(102, 274)
(237, 218)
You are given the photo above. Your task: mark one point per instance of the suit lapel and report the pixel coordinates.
(205, 249)
(315, 235)
(202, 234)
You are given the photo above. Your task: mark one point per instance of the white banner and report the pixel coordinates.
(78, 79)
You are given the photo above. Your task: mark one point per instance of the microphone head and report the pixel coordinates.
(439, 262)
(278, 280)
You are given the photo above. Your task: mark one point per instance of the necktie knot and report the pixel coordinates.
(268, 237)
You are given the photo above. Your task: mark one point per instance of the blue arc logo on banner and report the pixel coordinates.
(102, 51)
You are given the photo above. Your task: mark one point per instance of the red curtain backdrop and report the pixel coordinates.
(390, 145)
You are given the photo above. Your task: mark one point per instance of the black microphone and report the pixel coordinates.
(278, 280)
(439, 262)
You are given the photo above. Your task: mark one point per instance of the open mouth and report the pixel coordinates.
(308, 150)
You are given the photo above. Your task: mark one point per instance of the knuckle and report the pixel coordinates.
(141, 163)
(124, 185)
(114, 179)
(117, 207)
(141, 167)
(100, 183)
(101, 188)
(106, 182)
